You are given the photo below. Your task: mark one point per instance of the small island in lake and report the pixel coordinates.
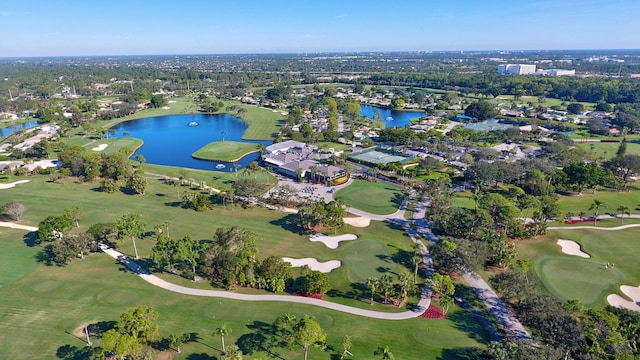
(226, 151)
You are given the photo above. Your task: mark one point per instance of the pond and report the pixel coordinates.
(170, 140)
(391, 117)
(13, 128)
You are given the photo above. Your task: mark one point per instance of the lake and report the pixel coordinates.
(400, 118)
(11, 129)
(169, 140)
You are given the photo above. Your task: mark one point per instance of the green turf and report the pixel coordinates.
(463, 199)
(61, 299)
(570, 277)
(217, 179)
(366, 260)
(611, 199)
(228, 151)
(373, 197)
(606, 151)
(581, 279)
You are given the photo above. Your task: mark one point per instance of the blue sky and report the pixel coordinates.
(128, 27)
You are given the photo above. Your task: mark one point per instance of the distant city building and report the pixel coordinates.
(516, 69)
(559, 72)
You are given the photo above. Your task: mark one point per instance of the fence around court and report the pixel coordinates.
(380, 156)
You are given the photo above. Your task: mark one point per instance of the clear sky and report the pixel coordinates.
(129, 27)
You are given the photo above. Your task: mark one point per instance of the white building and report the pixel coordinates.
(560, 72)
(516, 69)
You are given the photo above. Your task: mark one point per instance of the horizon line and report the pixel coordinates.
(322, 52)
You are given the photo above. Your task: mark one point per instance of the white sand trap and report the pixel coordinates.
(314, 264)
(357, 221)
(100, 147)
(632, 292)
(165, 108)
(10, 185)
(172, 101)
(572, 248)
(332, 242)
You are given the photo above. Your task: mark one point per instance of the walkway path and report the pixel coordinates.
(152, 279)
(17, 226)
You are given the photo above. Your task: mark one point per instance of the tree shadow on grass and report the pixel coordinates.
(357, 289)
(397, 199)
(72, 352)
(289, 222)
(31, 239)
(264, 339)
(460, 354)
(200, 356)
(464, 321)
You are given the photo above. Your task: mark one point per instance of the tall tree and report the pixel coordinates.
(308, 332)
(373, 285)
(74, 214)
(595, 206)
(222, 331)
(130, 225)
(623, 210)
(189, 250)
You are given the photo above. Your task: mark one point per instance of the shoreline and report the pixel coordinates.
(226, 161)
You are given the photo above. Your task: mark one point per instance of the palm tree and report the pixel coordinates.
(622, 210)
(596, 205)
(223, 330)
(235, 167)
(233, 353)
(416, 259)
(386, 285)
(373, 285)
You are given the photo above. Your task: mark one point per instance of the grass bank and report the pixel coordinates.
(225, 151)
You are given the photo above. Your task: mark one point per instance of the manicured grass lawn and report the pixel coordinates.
(97, 289)
(463, 199)
(216, 179)
(373, 197)
(335, 146)
(606, 151)
(225, 151)
(113, 144)
(570, 277)
(612, 200)
(264, 124)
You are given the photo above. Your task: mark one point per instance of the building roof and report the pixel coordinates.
(284, 146)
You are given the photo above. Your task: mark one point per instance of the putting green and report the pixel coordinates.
(577, 279)
(364, 259)
(373, 197)
(225, 151)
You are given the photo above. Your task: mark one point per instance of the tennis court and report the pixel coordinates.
(488, 125)
(377, 157)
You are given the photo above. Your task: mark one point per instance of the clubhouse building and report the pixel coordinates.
(297, 160)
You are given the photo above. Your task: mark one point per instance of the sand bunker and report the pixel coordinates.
(332, 242)
(357, 221)
(100, 147)
(165, 108)
(572, 248)
(10, 185)
(314, 264)
(632, 292)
